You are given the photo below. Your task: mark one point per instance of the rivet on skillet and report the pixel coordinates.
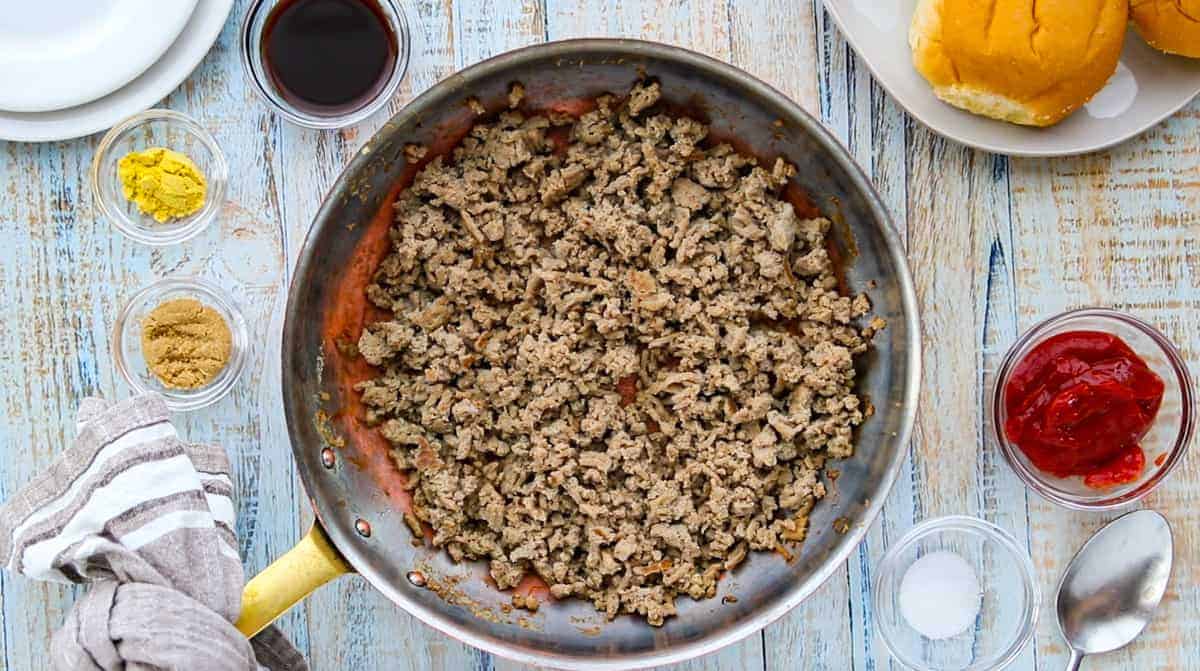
(327, 457)
(363, 527)
(416, 578)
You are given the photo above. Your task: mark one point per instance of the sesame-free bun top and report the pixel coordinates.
(1170, 25)
(1031, 62)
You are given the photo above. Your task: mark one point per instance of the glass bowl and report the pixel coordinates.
(253, 29)
(1008, 601)
(1166, 442)
(157, 128)
(127, 342)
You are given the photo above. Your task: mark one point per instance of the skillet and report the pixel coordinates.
(357, 494)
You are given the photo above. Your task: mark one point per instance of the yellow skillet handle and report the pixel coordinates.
(312, 563)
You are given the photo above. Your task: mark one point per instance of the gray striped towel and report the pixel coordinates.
(148, 521)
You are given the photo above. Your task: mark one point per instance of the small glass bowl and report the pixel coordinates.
(1009, 598)
(253, 30)
(1166, 442)
(157, 128)
(127, 342)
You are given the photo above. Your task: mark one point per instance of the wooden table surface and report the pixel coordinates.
(994, 243)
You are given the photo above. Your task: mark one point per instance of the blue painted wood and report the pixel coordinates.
(994, 244)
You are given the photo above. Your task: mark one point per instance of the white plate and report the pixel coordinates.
(56, 54)
(142, 93)
(1147, 88)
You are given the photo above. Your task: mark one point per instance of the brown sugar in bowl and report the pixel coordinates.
(184, 339)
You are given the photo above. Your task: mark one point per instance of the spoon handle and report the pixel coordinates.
(1075, 660)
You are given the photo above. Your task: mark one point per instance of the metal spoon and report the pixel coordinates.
(1114, 583)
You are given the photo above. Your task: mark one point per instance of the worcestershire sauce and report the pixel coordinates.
(329, 56)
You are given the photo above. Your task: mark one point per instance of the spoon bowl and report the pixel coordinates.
(1114, 584)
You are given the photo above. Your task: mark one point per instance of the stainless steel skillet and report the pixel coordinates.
(344, 468)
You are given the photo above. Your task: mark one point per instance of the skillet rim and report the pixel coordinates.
(294, 325)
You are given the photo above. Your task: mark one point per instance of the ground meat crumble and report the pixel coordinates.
(618, 362)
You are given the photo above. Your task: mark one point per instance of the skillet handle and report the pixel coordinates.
(300, 571)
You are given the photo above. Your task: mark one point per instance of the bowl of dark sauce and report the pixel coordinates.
(325, 63)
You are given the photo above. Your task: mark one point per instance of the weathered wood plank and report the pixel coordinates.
(485, 28)
(957, 228)
(45, 351)
(776, 41)
(1119, 229)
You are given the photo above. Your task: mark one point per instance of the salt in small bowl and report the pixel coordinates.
(1009, 597)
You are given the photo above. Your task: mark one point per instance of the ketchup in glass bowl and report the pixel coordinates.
(1092, 408)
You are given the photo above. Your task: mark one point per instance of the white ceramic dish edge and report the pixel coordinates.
(86, 54)
(142, 93)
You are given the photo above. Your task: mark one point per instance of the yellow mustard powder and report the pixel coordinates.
(185, 343)
(164, 184)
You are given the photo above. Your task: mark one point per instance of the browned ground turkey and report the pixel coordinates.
(621, 366)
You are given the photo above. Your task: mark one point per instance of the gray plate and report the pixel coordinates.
(1147, 87)
(569, 634)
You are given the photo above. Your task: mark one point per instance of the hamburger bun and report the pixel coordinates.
(1172, 26)
(1031, 62)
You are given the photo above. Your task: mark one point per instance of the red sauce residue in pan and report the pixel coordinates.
(532, 585)
(801, 201)
(573, 106)
(348, 311)
(346, 315)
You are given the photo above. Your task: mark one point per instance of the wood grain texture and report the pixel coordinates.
(994, 246)
(1119, 229)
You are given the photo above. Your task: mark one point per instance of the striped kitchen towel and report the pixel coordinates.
(147, 520)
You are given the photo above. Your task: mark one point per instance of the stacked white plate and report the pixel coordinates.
(70, 68)
(1147, 87)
